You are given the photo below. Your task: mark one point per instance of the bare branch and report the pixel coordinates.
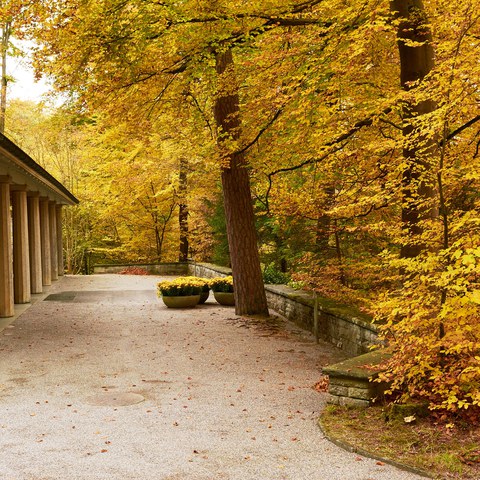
(463, 127)
(333, 146)
(261, 132)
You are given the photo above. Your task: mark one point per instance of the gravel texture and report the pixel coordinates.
(102, 381)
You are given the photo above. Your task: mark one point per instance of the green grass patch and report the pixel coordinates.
(442, 451)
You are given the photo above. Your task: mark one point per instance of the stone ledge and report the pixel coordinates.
(347, 401)
(325, 305)
(351, 381)
(341, 325)
(167, 268)
(206, 269)
(362, 367)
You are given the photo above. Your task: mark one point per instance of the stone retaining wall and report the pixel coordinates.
(152, 269)
(208, 270)
(339, 324)
(351, 382)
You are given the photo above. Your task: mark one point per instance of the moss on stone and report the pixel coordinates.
(326, 305)
(362, 367)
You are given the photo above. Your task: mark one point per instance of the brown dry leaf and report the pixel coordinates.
(322, 384)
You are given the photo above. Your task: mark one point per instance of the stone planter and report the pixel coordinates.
(204, 297)
(224, 298)
(187, 301)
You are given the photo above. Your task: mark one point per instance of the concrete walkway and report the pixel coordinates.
(101, 381)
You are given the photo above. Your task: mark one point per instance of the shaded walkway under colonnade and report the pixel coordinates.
(31, 246)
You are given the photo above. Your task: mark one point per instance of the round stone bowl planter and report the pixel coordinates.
(224, 298)
(204, 297)
(187, 301)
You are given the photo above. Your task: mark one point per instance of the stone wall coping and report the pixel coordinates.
(104, 265)
(214, 268)
(362, 367)
(325, 305)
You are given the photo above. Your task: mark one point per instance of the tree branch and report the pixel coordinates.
(366, 122)
(203, 114)
(261, 132)
(462, 128)
(279, 19)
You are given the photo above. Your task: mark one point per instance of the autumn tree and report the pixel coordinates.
(162, 68)
(419, 182)
(431, 320)
(361, 152)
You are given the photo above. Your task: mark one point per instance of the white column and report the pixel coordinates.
(53, 239)
(6, 254)
(61, 263)
(21, 260)
(45, 241)
(35, 243)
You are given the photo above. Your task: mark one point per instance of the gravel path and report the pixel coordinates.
(105, 382)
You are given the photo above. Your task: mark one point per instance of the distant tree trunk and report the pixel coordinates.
(419, 185)
(242, 236)
(6, 30)
(324, 226)
(183, 211)
(158, 243)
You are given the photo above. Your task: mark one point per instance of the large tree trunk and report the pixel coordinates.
(419, 180)
(183, 211)
(242, 236)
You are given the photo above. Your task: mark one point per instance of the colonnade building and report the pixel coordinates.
(31, 245)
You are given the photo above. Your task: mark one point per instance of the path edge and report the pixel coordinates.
(365, 453)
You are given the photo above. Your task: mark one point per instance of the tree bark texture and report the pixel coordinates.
(419, 185)
(249, 290)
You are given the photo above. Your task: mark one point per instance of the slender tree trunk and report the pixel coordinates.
(183, 211)
(242, 236)
(419, 183)
(6, 30)
(158, 243)
(338, 250)
(324, 226)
